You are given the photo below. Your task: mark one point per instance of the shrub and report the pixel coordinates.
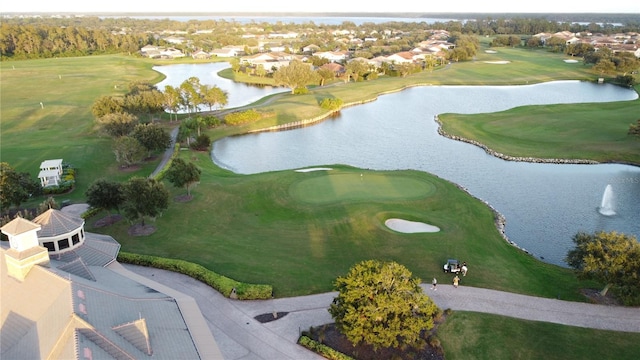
(331, 103)
(221, 283)
(242, 117)
(322, 349)
(202, 142)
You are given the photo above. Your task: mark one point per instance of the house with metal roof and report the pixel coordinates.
(77, 302)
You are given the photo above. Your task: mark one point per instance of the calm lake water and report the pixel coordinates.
(544, 204)
(239, 94)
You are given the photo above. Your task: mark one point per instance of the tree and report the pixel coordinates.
(381, 304)
(325, 75)
(635, 129)
(182, 173)
(191, 96)
(128, 151)
(107, 105)
(295, 75)
(604, 66)
(152, 137)
(358, 68)
(172, 100)
(117, 124)
(213, 95)
(15, 187)
(105, 194)
(144, 197)
(610, 257)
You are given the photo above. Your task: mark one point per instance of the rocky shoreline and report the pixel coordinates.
(509, 157)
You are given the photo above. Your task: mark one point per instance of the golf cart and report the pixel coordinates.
(452, 266)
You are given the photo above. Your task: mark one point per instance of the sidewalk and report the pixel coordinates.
(240, 336)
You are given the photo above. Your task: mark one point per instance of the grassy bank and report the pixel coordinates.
(575, 131)
(469, 335)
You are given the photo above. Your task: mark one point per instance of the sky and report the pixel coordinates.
(372, 6)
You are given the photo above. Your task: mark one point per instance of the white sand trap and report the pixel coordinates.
(491, 51)
(497, 62)
(410, 227)
(569, 61)
(313, 169)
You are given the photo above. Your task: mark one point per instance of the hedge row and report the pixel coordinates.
(322, 349)
(221, 283)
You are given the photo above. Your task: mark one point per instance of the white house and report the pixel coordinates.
(50, 172)
(333, 56)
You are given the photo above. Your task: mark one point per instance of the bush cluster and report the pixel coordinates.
(331, 103)
(322, 349)
(242, 117)
(221, 283)
(67, 181)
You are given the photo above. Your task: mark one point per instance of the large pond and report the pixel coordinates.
(544, 204)
(239, 94)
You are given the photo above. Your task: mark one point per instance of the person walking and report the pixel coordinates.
(434, 283)
(456, 280)
(464, 268)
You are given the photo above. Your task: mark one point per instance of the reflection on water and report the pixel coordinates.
(544, 204)
(239, 94)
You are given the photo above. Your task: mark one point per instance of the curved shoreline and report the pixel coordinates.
(321, 117)
(502, 156)
(499, 219)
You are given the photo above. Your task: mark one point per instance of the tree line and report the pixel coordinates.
(43, 37)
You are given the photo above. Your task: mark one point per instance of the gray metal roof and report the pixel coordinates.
(55, 222)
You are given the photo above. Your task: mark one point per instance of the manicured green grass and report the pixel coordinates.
(63, 127)
(469, 335)
(575, 131)
(334, 188)
(264, 229)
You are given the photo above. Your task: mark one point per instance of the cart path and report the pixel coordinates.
(240, 336)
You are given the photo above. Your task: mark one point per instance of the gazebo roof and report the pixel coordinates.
(50, 163)
(47, 173)
(55, 222)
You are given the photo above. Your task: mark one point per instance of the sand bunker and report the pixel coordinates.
(313, 169)
(491, 51)
(571, 61)
(497, 62)
(410, 227)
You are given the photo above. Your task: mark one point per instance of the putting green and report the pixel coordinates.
(330, 188)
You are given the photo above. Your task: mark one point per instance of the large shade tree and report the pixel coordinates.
(182, 173)
(144, 197)
(381, 304)
(117, 124)
(152, 137)
(296, 75)
(15, 187)
(610, 257)
(105, 194)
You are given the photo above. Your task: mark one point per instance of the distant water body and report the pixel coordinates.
(318, 20)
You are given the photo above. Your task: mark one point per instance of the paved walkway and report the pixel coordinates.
(240, 337)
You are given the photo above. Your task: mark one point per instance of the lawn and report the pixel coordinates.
(470, 335)
(63, 126)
